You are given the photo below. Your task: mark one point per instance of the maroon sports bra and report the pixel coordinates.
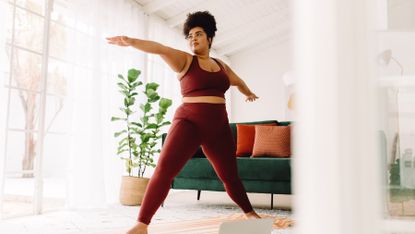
(198, 82)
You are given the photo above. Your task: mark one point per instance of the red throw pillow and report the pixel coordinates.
(274, 141)
(245, 138)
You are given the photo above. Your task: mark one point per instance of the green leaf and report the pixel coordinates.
(152, 86)
(136, 84)
(122, 146)
(162, 111)
(150, 92)
(129, 101)
(145, 138)
(121, 77)
(165, 103)
(137, 124)
(152, 95)
(165, 123)
(127, 111)
(125, 92)
(125, 139)
(119, 133)
(133, 75)
(150, 126)
(122, 151)
(147, 107)
(154, 98)
(117, 118)
(133, 86)
(145, 119)
(159, 117)
(135, 131)
(122, 86)
(132, 141)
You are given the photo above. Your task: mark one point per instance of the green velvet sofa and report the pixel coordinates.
(259, 175)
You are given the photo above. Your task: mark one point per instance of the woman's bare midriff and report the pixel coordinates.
(204, 99)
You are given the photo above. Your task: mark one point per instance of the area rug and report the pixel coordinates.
(210, 225)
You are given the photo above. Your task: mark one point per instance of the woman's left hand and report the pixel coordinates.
(252, 97)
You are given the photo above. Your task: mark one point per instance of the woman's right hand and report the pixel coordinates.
(120, 40)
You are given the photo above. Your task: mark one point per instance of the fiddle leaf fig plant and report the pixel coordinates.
(138, 139)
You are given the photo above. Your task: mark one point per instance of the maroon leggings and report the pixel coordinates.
(195, 124)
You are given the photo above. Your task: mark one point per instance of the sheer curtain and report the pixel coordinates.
(158, 71)
(94, 170)
(88, 67)
(4, 67)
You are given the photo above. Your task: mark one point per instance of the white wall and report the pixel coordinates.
(261, 68)
(403, 50)
(400, 15)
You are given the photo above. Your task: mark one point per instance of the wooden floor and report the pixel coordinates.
(199, 226)
(204, 226)
(209, 225)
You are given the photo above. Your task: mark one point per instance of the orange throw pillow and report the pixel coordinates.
(245, 138)
(274, 141)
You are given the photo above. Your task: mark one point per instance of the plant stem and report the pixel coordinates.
(129, 145)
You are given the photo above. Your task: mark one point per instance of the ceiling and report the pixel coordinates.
(242, 24)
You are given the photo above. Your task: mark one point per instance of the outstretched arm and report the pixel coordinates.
(235, 80)
(176, 59)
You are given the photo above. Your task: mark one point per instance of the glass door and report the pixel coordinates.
(33, 90)
(396, 73)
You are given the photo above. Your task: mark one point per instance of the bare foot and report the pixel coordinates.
(139, 228)
(252, 215)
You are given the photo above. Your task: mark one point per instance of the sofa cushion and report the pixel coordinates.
(274, 141)
(234, 130)
(248, 169)
(245, 138)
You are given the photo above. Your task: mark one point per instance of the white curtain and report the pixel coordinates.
(90, 65)
(160, 72)
(4, 67)
(94, 170)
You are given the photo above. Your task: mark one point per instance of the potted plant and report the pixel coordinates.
(138, 139)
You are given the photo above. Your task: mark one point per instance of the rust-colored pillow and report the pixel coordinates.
(245, 138)
(274, 141)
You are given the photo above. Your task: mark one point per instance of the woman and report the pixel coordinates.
(201, 119)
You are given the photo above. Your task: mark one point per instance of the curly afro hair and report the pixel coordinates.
(201, 19)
